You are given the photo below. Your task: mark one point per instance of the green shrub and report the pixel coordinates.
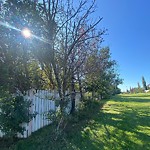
(13, 112)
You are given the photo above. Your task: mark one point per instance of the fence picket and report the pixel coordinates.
(41, 104)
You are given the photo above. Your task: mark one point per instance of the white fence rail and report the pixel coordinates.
(40, 105)
(42, 101)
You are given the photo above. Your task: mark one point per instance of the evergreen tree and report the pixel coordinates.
(144, 83)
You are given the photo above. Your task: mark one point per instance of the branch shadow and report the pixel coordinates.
(95, 128)
(132, 99)
(122, 130)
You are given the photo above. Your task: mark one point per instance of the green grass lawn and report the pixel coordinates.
(122, 123)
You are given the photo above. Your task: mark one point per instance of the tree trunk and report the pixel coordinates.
(80, 87)
(73, 94)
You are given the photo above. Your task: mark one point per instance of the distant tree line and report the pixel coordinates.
(140, 89)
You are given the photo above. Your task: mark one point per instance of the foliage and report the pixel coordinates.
(136, 90)
(62, 42)
(139, 89)
(102, 77)
(60, 117)
(57, 56)
(14, 112)
(17, 62)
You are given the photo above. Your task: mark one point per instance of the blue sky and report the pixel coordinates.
(128, 24)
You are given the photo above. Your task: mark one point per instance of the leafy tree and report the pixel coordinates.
(68, 34)
(60, 47)
(14, 112)
(102, 77)
(62, 54)
(66, 43)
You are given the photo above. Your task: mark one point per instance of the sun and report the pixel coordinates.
(26, 33)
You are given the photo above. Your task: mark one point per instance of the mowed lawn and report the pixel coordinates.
(126, 123)
(122, 123)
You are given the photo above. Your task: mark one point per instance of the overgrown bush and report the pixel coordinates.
(87, 108)
(60, 116)
(13, 112)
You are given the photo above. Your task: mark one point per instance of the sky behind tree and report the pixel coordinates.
(128, 24)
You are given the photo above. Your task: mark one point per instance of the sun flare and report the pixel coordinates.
(26, 33)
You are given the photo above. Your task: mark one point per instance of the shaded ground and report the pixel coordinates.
(122, 123)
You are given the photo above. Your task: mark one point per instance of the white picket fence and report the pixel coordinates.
(42, 101)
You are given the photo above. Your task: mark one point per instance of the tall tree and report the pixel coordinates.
(64, 42)
(102, 77)
(68, 31)
(144, 83)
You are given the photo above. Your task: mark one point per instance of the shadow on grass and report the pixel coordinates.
(131, 99)
(137, 95)
(80, 135)
(114, 131)
(5, 143)
(72, 139)
(125, 129)
(94, 129)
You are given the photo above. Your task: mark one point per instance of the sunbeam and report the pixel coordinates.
(24, 32)
(7, 25)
